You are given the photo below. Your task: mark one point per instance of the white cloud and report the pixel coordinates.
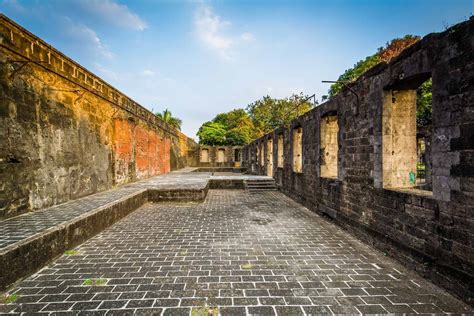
(148, 73)
(88, 39)
(248, 37)
(114, 13)
(210, 29)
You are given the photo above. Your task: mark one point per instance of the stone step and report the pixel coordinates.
(260, 185)
(261, 182)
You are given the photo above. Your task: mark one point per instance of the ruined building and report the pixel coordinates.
(356, 159)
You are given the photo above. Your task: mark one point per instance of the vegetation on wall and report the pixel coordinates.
(239, 127)
(168, 117)
(385, 54)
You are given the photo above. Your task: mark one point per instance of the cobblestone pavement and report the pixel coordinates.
(239, 252)
(16, 229)
(24, 226)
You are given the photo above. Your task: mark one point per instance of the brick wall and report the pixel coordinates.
(430, 231)
(66, 133)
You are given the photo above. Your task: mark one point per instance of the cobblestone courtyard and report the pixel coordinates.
(238, 251)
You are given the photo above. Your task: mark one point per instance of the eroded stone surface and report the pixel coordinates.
(243, 252)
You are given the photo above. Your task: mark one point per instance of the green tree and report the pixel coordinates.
(384, 54)
(268, 113)
(424, 101)
(212, 133)
(353, 73)
(167, 117)
(233, 128)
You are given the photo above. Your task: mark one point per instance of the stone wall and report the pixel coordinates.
(431, 231)
(219, 156)
(65, 133)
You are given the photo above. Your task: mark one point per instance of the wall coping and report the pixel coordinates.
(31, 48)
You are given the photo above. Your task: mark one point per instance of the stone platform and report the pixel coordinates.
(236, 253)
(29, 241)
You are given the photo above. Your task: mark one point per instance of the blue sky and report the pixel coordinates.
(200, 58)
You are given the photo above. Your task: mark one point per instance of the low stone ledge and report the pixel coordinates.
(227, 184)
(28, 255)
(180, 195)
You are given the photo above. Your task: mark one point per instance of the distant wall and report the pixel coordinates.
(219, 156)
(66, 133)
(368, 188)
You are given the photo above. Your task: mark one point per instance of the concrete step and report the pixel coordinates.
(260, 185)
(263, 185)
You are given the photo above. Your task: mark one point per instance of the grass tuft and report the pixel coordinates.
(9, 298)
(205, 311)
(71, 252)
(91, 282)
(247, 266)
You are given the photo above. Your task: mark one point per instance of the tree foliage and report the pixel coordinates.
(424, 101)
(212, 133)
(167, 117)
(234, 128)
(268, 113)
(239, 127)
(384, 54)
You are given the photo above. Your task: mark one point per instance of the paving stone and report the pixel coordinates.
(425, 308)
(371, 309)
(120, 312)
(113, 304)
(232, 311)
(261, 310)
(317, 310)
(177, 311)
(398, 308)
(289, 310)
(176, 256)
(140, 303)
(297, 300)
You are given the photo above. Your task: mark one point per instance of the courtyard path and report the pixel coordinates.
(236, 253)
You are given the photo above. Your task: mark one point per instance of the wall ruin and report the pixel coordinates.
(431, 231)
(219, 156)
(66, 133)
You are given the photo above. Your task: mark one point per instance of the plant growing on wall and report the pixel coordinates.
(384, 54)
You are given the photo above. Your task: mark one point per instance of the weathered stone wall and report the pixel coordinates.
(431, 231)
(66, 133)
(218, 156)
